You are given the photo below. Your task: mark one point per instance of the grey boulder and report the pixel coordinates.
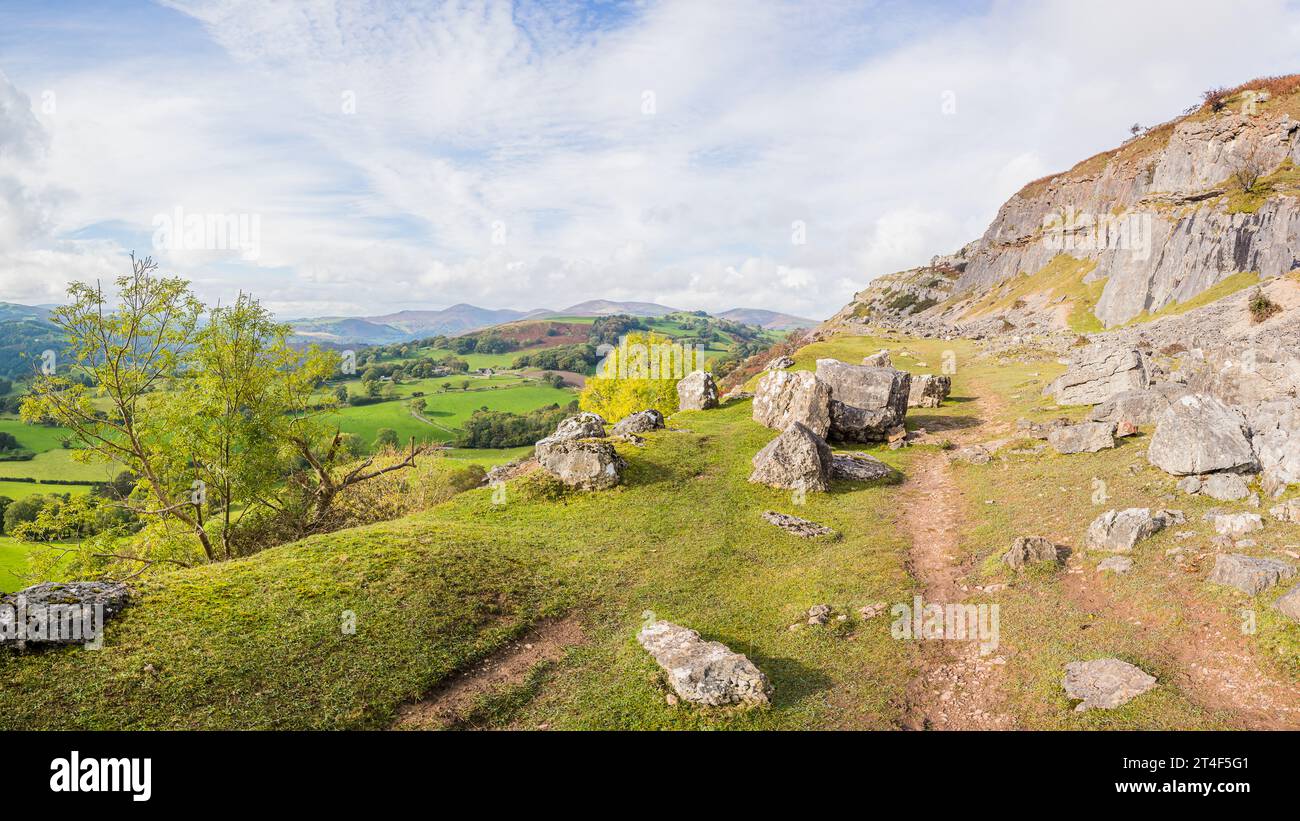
(56, 603)
(1140, 407)
(1200, 434)
(1115, 564)
(1275, 427)
(1117, 531)
(798, 459)
(780, 363)
(802, 528)
(1237, 524)
(588, 464)
(782, 398)
(1099, 372)
(866, 402)
(1226, 487)
(704, 672)
(1030, 549)
(639, 422)
(928, 391)
(879, 359)
(1105, 683)
(1249, 574)
(697, 391)
(858, 467)
(1289, 603)
(1085, 437)
(584, 425)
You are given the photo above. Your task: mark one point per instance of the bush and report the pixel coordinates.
(1261, 307)
(467, 478)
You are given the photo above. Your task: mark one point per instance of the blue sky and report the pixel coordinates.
(534, 155)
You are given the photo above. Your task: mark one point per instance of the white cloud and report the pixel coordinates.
(503, 156)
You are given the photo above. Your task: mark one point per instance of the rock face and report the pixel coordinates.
(858, 467)
(110, 597)
(880, 359)
(1276, 441)
(1140, 407)
(704, 672)
(1085, 437)
(1248, 574)
(793, 524)
(928, 391)
(1200, 434)
(639, 422)
(1289, 603)
(1030, 549)
(697, 391)
(1117, 531)
(1226, 487)
(584, 425)
(796, 460)
(588, 464)
(1105, 683)
(866, 402)
(785, 397)
(1098, 373)
(1237, 524)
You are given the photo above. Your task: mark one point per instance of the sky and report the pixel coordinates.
(365, 157)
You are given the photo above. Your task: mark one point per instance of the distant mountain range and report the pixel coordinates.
(459, 319)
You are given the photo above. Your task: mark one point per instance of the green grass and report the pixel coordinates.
(36, 438)
(256, 643)
(1225, 287)
(58, 464)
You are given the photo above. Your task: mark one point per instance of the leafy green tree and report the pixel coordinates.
(621, 388)
(386, 438)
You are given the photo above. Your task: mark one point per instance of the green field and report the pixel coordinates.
(445, 411)
(36, 438)
(58, 464)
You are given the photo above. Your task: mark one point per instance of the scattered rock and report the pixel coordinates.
(697, 391)
(1117, 531)
(588, 464)
(928, 391)
(704, 672)
(971, 454)
(1138, 407)
(872, 610)
(639, 422)
(1099, 372)
(1225, 487)
(1105, 683)
(1085, 437)
(880, 359)
(1190, 484)
(866, 402)
(798, 459)
(1289, 603)
(819, 614)
(1039, 430)
(1200, 434)
(1235, 524)
(1288, 511)
(785, 397)
(780, 363)
(109, 597)
(1249, 574)
(793, 524)
(858, 467)
(1115, 564)
(1030, 549)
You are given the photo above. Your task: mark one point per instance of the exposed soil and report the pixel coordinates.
(449, 703)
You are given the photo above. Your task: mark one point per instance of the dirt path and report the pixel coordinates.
(450, 703)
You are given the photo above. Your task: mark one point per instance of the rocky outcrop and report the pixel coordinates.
(1249, 574)
(780, 363)
(1105, 683)
(697, 391)
(1030, 549)
(1200, 434)
(1085, 437)
(1117, 531)
(1275, 439)
(785, 397)
(639, 422)
(704, 672)
(798, 459)
(802, 528)
(584, 425)
(928, 391)
(1098, 373)
(866, 402)
(60, 613)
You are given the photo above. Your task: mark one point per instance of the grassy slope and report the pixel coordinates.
(256, 643)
